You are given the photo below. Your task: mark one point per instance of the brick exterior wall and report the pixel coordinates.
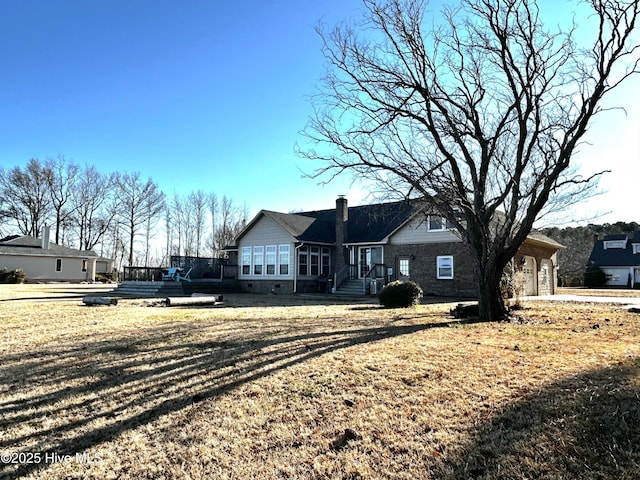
(423, 265)
(284, 287)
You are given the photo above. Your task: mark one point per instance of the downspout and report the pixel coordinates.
(94, 267)
(295, 268)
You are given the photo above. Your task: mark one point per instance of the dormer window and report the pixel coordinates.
(611, 244)
(636, 248)
(437, 223)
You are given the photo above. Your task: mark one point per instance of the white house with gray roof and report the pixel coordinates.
(44, 261)
(618, 256)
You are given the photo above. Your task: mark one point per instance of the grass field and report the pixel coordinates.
(281, 387)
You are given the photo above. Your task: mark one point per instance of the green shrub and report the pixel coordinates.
(400, 294)
(12, 276)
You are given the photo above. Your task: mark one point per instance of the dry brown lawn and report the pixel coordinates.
(280, 387)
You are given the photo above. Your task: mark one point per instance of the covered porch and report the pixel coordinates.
(365, 273)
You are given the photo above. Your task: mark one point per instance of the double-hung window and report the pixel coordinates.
(284, 259)
(258, 260)
(326, 262)
(246, 260)
(271, 258)
(444, 266)
(315, 261)
(303, 261)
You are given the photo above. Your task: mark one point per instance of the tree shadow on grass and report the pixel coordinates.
(65, 292)
(584, 427)
(67, 399)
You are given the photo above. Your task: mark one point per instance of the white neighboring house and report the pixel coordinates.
(44, 261)
(618, 256)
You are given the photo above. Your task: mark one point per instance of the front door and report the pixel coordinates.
(530, 271)
(403, 268)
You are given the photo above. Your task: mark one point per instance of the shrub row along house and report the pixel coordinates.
(359, 249)
(45, 261)
(617, 258)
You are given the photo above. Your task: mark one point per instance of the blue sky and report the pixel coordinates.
(206, 95)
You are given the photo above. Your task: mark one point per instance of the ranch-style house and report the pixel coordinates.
(356, 250)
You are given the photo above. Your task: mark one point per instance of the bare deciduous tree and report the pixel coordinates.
(138, 204)
(26, 196)
(479, 115)
(178, 222)
(62, 180)
(231, 221)
(197, 203)
(212, 203)
(94, 206)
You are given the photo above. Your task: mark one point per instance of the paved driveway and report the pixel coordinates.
(632, 301)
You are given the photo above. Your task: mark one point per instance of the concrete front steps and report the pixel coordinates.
(353, 288)
(173, 289)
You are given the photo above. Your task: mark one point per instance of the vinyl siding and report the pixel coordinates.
(415, 232)
(264, 233)
(43, 268)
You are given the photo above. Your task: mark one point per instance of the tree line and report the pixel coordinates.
(120, 215)
(578, 242)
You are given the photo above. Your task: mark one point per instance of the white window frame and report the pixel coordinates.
(58, 264)
(434, 218)
(403, 267)
(636, 248)
(439, 267)
(271, 259)
(303, 267)
(258, 260)
(325, 262)
(284, 259)
(85, 265)
(246, 255)
(615, 244)
(444, 223)
(314, 261)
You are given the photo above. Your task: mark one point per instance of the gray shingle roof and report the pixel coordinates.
(615, 257)
(367, 223)
(28, 245)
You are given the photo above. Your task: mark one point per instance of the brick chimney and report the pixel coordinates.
(342, 216)
(46, 233)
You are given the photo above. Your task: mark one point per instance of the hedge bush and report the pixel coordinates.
(400, 294)
(12, 276)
